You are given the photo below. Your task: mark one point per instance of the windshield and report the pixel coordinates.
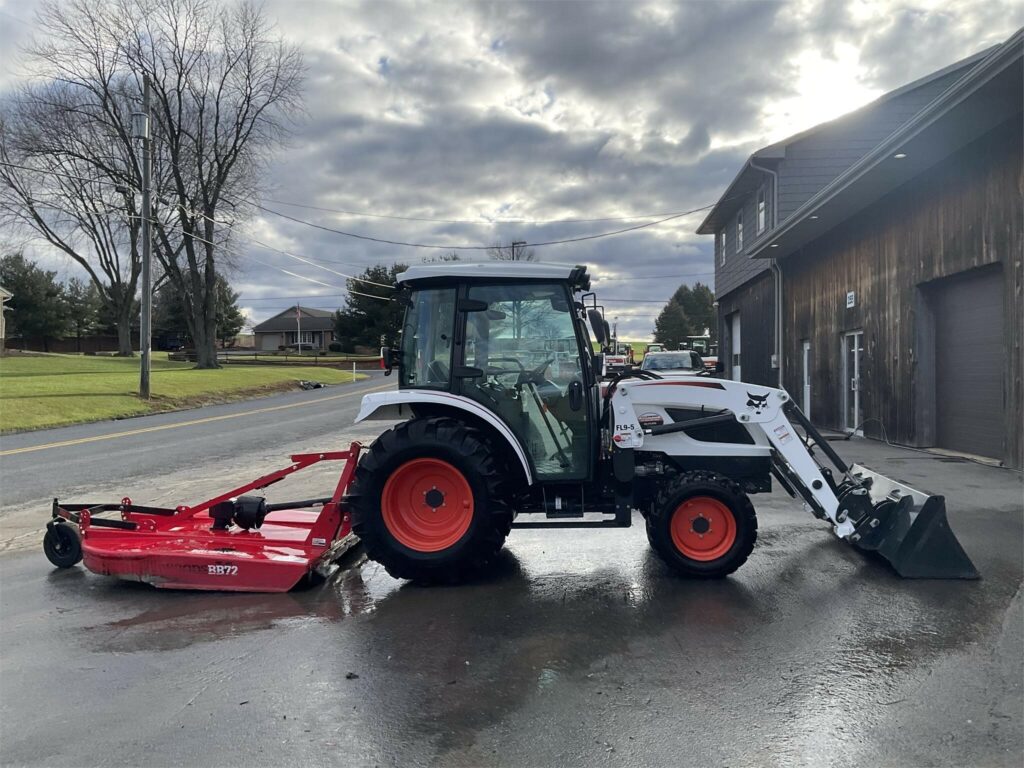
(664, 361)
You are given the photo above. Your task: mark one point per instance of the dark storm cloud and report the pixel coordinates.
(706, 63)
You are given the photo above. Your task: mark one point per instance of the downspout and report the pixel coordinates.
(776, 268)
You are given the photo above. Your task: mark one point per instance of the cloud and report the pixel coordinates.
(561, 110)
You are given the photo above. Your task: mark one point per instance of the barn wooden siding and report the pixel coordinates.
(755, 303)
(963, 214)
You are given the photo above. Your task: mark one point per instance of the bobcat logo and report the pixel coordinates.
(757, 402)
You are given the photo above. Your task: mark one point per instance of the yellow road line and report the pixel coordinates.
(193, 422)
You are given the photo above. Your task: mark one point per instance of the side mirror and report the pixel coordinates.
(389, 358)
(597, 324)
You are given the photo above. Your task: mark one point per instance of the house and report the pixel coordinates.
(4, 296)
(316, 327)
(872, 265)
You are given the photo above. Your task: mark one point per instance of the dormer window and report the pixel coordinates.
(739, 232)
(762, 211)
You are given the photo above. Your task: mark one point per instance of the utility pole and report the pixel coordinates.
(514, 244)
(142, 131)
(298, 328)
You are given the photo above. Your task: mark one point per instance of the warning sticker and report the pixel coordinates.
(782, 434)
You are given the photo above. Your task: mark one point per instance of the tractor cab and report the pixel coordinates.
(512, 338)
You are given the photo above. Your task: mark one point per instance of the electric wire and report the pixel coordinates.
(434, 246)
(480, 222)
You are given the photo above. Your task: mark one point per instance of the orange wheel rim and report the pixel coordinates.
(703, 528)
(427, 505)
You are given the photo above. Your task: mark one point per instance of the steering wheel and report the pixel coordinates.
(504, 371)
(538, 372)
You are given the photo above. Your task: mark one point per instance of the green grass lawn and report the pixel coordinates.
(38, 391)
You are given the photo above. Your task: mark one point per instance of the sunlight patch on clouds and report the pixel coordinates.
(826, 87)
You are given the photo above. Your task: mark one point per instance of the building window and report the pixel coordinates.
(762, 211)
(720, 246)
(739, 232)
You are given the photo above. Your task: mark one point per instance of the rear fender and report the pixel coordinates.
(396, 406)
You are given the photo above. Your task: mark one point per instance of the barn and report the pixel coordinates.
(872, 265)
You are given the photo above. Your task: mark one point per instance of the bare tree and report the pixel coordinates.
(67, 178)
(225, 90)
(513, 252)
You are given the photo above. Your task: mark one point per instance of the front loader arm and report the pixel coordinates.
(873, 512)
(760, 409)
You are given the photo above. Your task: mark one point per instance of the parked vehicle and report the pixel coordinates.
(618, 357)
(686, 362)
(711, 358)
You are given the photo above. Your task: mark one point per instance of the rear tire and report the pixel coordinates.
(703, 525)
(429, 501)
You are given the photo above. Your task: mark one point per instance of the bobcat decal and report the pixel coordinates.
(757, 402)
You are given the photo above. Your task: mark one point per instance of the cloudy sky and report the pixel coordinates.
(499, 118)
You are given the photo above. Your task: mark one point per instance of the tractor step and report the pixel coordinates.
(603, 522)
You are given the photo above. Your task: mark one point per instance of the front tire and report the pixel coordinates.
(703, 525)
(429, 501)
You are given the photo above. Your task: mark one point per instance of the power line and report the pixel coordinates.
(318, 282)
(69, 175)
(387, 241)
(318, 266)
(433, 246)
(478, 222)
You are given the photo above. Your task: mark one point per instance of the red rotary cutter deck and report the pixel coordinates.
(231, 542)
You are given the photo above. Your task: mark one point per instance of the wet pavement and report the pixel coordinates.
(579, 648)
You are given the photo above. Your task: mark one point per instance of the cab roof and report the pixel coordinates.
(497, 270)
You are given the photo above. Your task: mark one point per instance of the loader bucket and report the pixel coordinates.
(910, 530)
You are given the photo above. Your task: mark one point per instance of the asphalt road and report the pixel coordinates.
(579, 648)
(55, 462)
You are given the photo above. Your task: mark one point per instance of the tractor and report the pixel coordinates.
(505, 422)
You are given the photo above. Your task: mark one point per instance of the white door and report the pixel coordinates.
(807, 378)
(735, 347)
(853, 347)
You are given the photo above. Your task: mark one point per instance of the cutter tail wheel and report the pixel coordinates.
(430, 501)
(703, 525)
(62, 545)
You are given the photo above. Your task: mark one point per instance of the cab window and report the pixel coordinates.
(525, 350)
(427, 339)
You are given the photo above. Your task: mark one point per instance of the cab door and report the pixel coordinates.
(521, 359)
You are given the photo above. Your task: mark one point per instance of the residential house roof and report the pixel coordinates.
(312, 320)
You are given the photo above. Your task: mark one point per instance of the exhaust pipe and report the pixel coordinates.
(909, 529)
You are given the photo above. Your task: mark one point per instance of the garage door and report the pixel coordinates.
(970, 412)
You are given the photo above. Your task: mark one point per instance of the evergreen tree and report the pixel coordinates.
(170, 314)
(698, 304)
(84, 304)
(371, 311)
(672, 326)
(38, 308)
(230, 319)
